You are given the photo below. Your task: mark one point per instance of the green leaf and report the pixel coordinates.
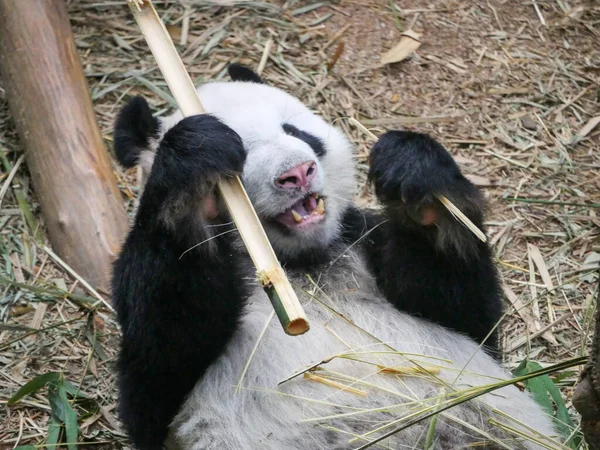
(54, 427)
(564, 375)
(61, 410)
(71, 425)
(548, 396)
(56, 404)
(63, 413)
(536, 386)
(29, 217)
(34, 385)
(25, 447)
(565, 423)
(73, 390)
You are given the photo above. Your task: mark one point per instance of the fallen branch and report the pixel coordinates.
(270, 274)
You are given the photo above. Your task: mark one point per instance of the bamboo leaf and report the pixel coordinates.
(547, 395)
(564, 375)
(308, 8)
(71, 425)
(72, 390)
(536, 386)
(565, 423)
(14, 327)
(408, 44)
(29, 216)
(56, 403)
(81, 300)
(54, 427)
(34, 385)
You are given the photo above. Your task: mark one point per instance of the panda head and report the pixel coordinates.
(299, 171)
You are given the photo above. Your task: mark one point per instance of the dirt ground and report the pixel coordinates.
(508, 86)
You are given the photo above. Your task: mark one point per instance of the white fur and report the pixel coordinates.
(263, 415)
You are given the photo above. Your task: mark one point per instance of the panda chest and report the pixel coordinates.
(343, 307)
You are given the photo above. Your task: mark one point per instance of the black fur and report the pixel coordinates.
(176, 313)
(239, 72)
(315, 143)
(179, 312)
(134, 128)
(454, 282)
(422, 280)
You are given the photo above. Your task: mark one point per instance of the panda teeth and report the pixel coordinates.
(297, 217)
(321, 207)
(315, 195)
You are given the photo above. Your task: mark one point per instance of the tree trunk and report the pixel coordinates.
(587, 395)
(48, 97)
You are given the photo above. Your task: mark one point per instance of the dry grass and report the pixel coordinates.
(508, 86)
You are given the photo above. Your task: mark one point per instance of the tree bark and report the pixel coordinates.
(587, 394)
(48, 98)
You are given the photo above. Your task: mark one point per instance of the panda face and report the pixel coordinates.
(299, 172)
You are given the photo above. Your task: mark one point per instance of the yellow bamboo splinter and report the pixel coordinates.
(335, 384)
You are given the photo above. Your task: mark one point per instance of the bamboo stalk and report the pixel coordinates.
(456, 213)
(270, 274)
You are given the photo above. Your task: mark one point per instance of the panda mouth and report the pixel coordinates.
(307, 211)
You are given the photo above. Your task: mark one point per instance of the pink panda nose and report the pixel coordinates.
(299, 176)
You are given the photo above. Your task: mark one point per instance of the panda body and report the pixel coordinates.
(225, 410)
(204, 361)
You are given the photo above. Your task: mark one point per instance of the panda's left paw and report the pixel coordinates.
(409, 170)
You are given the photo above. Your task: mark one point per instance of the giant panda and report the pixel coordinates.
(203, 364)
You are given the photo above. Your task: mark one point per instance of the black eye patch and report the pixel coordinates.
(315, 143)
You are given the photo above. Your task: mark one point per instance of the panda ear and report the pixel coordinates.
(239, 72)
(134, 128)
